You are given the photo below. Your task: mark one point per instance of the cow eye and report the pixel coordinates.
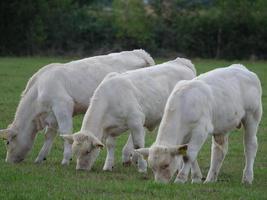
(165, 166)
(7, 142)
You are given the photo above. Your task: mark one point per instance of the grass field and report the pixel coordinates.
(52, 181)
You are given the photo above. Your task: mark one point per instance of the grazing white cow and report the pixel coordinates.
(131, 100)
(213, 103)
(57, 92)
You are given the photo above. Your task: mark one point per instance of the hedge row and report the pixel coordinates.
(199, 28)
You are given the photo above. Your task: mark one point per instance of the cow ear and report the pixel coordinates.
(4, 134)
(97, 143)
(179, 150)
(143, 151)
(68, 138)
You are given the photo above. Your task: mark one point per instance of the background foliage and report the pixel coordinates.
(197, 28)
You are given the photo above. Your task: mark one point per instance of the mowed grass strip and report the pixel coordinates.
(52, 181)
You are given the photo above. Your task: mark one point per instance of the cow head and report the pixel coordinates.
(163, 160)
(17, 143)
(85, 146)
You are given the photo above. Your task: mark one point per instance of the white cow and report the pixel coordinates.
(57, 92)
(132, 100)
(213, 103)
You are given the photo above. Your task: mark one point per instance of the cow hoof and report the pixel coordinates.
(127, 163)
(108, 168)
(179, 181)
(38, 161)
(197, 180)
(65, 162)
(210, 180)
(143, 171)
(247, 180)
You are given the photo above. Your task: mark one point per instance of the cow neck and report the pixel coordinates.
(26, 112)
(170, 133)
(94, 117)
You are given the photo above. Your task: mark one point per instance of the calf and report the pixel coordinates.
(57, 92)
(212, 103)
(131, 100)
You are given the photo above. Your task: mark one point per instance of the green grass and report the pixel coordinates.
(52, 181)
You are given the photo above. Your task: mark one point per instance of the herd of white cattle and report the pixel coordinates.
(127, 91)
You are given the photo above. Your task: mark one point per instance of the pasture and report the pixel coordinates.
(52, 181)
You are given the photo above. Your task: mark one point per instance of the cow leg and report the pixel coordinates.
(127, 152)
(218, 152)
(63, 111)
(50, 134)
(250, 123)
(135, 125)
(196, 174)
(194, 145)
(110, 144)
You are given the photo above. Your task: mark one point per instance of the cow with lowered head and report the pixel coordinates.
(213, 103)
(128, 101)
(57, 92)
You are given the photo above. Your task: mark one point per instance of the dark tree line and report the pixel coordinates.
(199, 28)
